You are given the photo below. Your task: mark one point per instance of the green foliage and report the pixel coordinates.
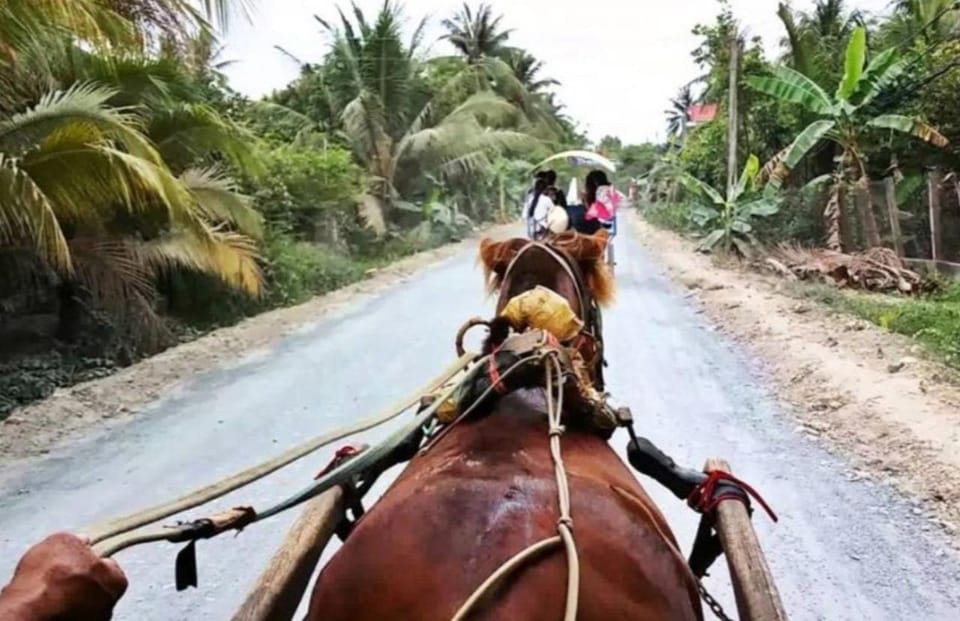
(297, 271)
(310, 193)
(704, 153)
(934, 321)
(727, 221)
(671, 216)
(134, 182)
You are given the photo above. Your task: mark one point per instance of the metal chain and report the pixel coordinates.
(714, 605)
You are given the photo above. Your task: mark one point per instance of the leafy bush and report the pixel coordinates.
(310, 193)
(800, 220)
(728, 220)
(297, 270)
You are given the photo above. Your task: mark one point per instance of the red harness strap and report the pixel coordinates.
(702, 498)
(344, 452)
(493, 372)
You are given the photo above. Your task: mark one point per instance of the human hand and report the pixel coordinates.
(61, 578)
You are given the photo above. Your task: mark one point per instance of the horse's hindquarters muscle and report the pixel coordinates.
(482, 495)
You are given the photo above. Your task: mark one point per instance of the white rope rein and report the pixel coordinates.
(554, 380)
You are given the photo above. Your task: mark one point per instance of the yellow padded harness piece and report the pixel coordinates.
(543, 309)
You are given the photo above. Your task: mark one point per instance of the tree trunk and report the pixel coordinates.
(832, 218)
(334, 228)
(868, 219)
(893, 212)
(934, 181)
(503, 200)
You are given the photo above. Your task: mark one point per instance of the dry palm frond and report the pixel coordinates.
(27, 216)
(370, 208)
(877, 269)
(229, 256)
(120, 281)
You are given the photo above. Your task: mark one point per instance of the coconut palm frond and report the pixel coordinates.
(27, 217)
(230, 257)
(186, 133)
(217, 198)
(81, 103)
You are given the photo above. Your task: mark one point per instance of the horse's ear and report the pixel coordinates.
(496, 257)
(592, 247)
(589, 252)
(493, 255)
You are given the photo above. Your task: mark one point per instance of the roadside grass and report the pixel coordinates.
(933, 320)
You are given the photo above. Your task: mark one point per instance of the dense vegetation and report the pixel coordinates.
(142, 200)
(850, 100)
(853, 113)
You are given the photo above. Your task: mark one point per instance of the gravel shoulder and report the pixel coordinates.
(837, 376)
(71, 413)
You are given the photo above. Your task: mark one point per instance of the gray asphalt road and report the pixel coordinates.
(843, 550)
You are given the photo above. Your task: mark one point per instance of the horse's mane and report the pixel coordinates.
(587, 250)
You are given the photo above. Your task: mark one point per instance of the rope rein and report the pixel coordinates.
(554, 389)
(108, 538)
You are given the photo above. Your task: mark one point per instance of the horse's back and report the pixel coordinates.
(481, 495)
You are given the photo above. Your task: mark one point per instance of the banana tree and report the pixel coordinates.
(729, 218)
(845, 121)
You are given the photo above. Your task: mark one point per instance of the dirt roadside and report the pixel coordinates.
(837, 376)
(69, 413)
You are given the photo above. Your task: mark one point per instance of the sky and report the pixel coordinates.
(619, 61)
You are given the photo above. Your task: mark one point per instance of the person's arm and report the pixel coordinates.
(62, 578)
(543, 207)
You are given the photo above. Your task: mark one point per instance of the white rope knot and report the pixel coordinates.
(565, 521)
(557, 430)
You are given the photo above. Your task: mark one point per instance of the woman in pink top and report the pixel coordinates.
(601, 201)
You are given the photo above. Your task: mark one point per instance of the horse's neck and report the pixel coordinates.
(517, 423)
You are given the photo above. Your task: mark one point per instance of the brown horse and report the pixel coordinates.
(486, 490)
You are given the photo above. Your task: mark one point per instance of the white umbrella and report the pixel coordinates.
(582, 158)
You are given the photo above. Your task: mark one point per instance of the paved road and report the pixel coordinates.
(843, 550)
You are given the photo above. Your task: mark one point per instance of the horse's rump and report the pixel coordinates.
(485, 492)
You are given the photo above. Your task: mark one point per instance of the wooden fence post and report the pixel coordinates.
(934, 180)
(893, 210)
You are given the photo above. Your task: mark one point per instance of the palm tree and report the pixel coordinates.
(927, 20)
(526, 69)
(813, 37)
(844, 119)
(678, 114)
(112, 177)
(476, 33)
(125, 22)
(389, 125)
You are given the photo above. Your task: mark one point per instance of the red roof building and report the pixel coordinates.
(698, 114)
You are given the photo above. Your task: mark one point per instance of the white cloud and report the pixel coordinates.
(619, 61)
